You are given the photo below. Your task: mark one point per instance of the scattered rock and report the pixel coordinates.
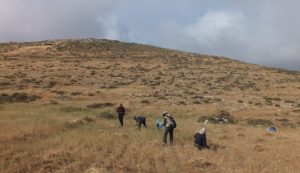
(219, 118)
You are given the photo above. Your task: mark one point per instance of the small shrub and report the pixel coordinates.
(93, 72)
(157, 78)
(269, 103)
(217, 99)
(287, 124)
(289, 101)
(107, 115)
(258, 104)
(154, 83)
(73, 81)
(76, 93)
(145, 102)
(91, 94)
(53, 102)
(112, 87)
(272, 99)
(207, 100)
(78, 122)
(196, 102)
(181, 103)
(162, 98)
(227, 88)
(71, 109)
(189, 92)
(296, 110)
(259, 122)
(283, 120)
(18, 97)
(100, 105)
(51, 84)
(89, 119)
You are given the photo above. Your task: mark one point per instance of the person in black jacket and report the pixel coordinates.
(169, 126)
(139, 121)
(200, 139)
(121, 113)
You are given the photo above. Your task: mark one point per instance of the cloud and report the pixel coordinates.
(37, 20)
(267, 35)
(258, 31)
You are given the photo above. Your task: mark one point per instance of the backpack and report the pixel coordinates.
(173, 125)
(171, 122)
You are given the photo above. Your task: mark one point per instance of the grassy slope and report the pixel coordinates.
(42, 136)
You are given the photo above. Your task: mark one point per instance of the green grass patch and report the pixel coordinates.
(259, 122)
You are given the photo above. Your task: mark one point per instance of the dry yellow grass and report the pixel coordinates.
(58, 133)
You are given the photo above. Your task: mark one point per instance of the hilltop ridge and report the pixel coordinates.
(173, 76)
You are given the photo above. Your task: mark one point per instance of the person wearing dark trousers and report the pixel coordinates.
(200, 139)
(169, 126)
(169, 130)
(139, 121)
(121, 113)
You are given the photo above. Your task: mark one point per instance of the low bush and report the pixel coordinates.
(259, 122)
(145, 102)
(18, 97)
(196, 102)
(107, 115)
(71, 109)
(100, 105)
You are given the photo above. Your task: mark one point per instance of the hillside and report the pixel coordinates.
(58, 100)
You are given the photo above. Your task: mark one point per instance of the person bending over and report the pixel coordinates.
(139, 121)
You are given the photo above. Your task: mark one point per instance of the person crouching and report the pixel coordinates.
(200, 139)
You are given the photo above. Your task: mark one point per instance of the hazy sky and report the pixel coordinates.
(264, 32)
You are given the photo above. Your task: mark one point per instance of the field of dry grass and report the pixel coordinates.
(58, 99)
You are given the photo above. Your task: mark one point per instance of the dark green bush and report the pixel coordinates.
(145, 102)
(107, 115)
(71, 109)
(100, 105)
(257, 122)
